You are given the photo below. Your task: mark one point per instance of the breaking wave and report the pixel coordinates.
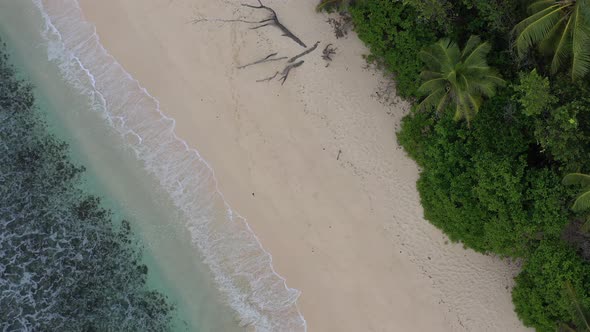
(242, 269)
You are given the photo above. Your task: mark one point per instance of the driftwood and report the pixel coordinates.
(199, 20)
(287, 70)
(284, 73)
(291, 64)
(268, 58)
(309, 50)
(327, 53)
(273, 20)
(270, 78)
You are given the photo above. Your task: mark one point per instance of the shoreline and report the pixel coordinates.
(326, 220)
(241, 268)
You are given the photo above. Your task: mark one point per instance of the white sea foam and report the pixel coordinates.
(241, 267)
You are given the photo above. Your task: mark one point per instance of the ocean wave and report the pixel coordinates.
(242, 269)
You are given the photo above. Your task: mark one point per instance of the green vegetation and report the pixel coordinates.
(457, 77)
(328, 4)
(539, 297)
(395, 39)
(581, 203)
(497, 182)
(582, 321)
(561, 28)
(64, 264)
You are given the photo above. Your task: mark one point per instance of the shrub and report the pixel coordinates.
(539, 295)
(395, 36)
(476, 184)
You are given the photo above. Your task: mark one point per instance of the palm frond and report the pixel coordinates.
(460, 108)
(495, 78)
(478, 55)
(484, 87)
(472, 104)
(540, 5)
(471, 44)
(561, 28)
(582, 319)
(536, 28)
(554, 36)
(432, 99)
(426, 75)
(561, 55)
(580, 44)
(442, 103)
(536, 15)
(582, 203)
(432, 85)
(576, 179)
(584, 7)
(448, 52)
(430, 59)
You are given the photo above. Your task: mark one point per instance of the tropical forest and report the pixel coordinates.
(500, 128)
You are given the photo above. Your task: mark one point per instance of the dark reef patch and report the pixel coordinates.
(64, 264)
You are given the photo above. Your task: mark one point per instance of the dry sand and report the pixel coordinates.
(348, 231)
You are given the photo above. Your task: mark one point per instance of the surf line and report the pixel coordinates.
(225, 240)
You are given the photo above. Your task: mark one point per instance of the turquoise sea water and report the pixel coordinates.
(115, 175)
(199, 252)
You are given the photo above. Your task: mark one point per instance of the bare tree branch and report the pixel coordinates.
(311, 49)
(270, 78)
(275, 21)
(260, 26)
(268, 58)
(284, 73)
(287, 70)
(199, 20)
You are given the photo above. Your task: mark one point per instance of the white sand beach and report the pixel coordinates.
(313, 164)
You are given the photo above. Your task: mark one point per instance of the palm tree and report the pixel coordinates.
(581, 313)
(461, 78)
(560, 28)
(582, 202)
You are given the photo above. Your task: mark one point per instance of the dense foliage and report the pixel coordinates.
(476, 184)
(64, 266)
(395, 39)
(540, 297)
(496, 184)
